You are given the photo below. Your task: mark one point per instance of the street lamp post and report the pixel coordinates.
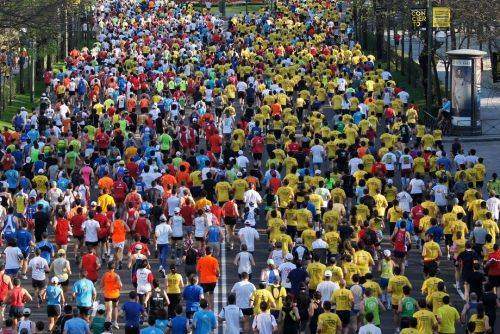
(428, 95)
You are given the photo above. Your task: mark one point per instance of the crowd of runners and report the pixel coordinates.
(180, 135)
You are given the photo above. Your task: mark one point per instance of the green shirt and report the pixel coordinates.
(409, 306)
(371, 306)
(165, 141)
(97, 325)
(71, 156)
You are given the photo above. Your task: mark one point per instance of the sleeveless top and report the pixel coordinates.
(157, 300)
(290, 322)
(400, 241)
(317, 312)
(17, 297)
(111, 287)
(24, 324)
(4, 288)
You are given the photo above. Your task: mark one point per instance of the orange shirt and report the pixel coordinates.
(111, 285)
(167, 180)
(119, 231)
(106, 183)
(208, 267)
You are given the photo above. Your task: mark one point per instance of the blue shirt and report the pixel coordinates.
(84, 290)
(76, 326)
(46, 248)
(151, 330)
(297, 276)
(12, 178)
(133, 311)
(178, 325)
(24, 238)
(54, 294)
(204, 322)
(437, 232)
(191, 295)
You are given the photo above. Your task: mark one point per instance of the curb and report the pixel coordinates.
(478, 139)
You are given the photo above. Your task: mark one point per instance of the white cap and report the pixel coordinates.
(240, 152)
(163, 218)
(142, 212)
(387, 253)
(26, 310)
(207, 208)
(328, 273)
(178, 153)
(317, 172)
(55, 280)
(428, 148)
(270, 261)
(289, 256)
(177, 210)
(389, 181)
(41, 171)
(93, 203)
(101, 307)
(239, 174)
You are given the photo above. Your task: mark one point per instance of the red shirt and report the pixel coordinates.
(257, 145)
(187, 212)
(76, 224)
(89, 264)
(494, 264)
(417, 212)
(62, 231)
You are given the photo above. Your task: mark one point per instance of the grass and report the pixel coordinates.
(22, 100)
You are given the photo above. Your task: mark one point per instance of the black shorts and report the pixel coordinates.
(84, 309)
(405, 172)
(230, 221)
(399, 254)
(247, 311)
(53, 311)
(395, 307)
(16, 312)
(448, 239)
(257, 156)
(64, 283)
(200, 239)
(40, 284)
(208, 287)
(345, 317)
(442, 209)
(241, 94)
(78, 237)
(103, 240)
(91, 243)
(176, 238)
(494, 280)
(113, 300)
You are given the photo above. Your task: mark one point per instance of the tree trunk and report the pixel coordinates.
(410, 58)
(22, 61)
(437, 88)
(403, 51)
(388, 44)
(453, 37)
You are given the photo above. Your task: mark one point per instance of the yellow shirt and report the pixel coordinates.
(363, 260)
(174, 283)
(259, 296)
(316, 270)
(431, 250)
(343, 298)
(222, 190)
(329, 323)
(430, 285)
(104, 200)
(426, 321)
(436, 299)
(239, 186)
(449, 317)
(395, 287)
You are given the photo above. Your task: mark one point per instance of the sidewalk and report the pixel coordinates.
(490, 92)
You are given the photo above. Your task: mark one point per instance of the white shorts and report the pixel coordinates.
(119, 245)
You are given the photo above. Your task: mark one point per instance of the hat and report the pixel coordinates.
(26, 311)
(178, 154)
(289, 256)
(61, 252)
(142, 213)
(101, 307)
(163, 218)
(387, 253)
(270, 261)
(317, 172)
(207, 208)
(298, 240)
(41, 171)
(328, 273)
(239, 174)
(247, 222)
(389, 181)
(240, 152)
(177, 210)
(428, 148)
(93, 204)
(55, 280)
(138, 246)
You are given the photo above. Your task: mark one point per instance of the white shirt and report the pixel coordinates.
(471, 159)
(162, 233)
(200, 227)
(404, 96)
(460, 159)
(244, 260)
(264, 323)
(417, 186)
(284, 270)
(317, 152)
(369, 329)
(327, 288)
(493, 205)
(243, 291)
(252, 196)
(242, 161)
(319, 244)
(405, 200)
(172, 203)
(91, 227)
(248, 235)
(37, 265)
(389, 159)
(177, 226)
(143, 284)
(12, 255)
(232, 315)
(353, 165)
(406, 161)
(440, 191)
